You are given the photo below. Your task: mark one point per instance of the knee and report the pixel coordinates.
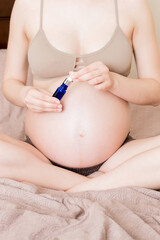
(158, 139)
(155, 140)
(11, 155)
(3, 137)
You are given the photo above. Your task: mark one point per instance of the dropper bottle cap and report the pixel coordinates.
(68, 80)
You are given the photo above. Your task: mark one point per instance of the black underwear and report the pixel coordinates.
(83, 171)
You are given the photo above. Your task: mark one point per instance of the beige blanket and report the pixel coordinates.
(28, 212)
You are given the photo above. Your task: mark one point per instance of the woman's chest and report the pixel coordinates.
(70, 33)
(76, 27)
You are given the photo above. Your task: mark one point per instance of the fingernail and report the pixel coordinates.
(73, 75)
(76, 80)
(56, 101)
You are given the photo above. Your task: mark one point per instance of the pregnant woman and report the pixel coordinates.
(81, 142)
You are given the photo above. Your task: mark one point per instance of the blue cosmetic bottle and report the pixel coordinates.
(61, 90)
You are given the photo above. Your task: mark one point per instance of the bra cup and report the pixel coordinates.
(48, 62)
(117, 56)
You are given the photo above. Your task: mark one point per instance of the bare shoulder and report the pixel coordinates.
(24, 14)
(21, 5)
(20, 11)
(135, 5)
(25, 3)
(144, 38)
(138, 9)
(22, 8)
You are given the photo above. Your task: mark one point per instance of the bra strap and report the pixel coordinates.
(41, 15)
(116, 11)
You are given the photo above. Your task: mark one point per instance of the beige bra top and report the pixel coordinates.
(46, 61)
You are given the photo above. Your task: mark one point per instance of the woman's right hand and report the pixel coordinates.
(40, 100)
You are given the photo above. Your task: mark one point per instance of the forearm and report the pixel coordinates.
(137, 91)
(14, 91)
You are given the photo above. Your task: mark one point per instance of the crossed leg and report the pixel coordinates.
(22, 162)
(130, 150)
(136, 163)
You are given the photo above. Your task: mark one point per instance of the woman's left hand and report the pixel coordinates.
(96, 74)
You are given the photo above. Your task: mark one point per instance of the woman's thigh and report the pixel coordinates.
(129, 150)
(8, 145)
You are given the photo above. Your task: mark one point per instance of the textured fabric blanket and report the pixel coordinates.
(31, 212)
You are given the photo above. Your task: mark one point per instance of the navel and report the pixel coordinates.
(82, 133)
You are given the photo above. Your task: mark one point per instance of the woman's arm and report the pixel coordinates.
(146, 89)
(142, 91)
(16, 66)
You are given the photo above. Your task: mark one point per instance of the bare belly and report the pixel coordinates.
(91, 127)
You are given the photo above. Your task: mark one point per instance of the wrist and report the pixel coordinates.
(23, 93)
(114, 79)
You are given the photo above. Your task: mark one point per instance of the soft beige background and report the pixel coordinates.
(146, 119)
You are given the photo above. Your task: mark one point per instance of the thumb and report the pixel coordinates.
(71, 72)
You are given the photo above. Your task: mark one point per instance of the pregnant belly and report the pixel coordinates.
(91, 127)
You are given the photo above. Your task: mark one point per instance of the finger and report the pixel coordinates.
(43, 96)
(40, 109)
(41, 103)
(71, 72)
(89, 76)
(102, 86)
(91, 67)
(96, 80)
(53, 99)
(46, 110)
